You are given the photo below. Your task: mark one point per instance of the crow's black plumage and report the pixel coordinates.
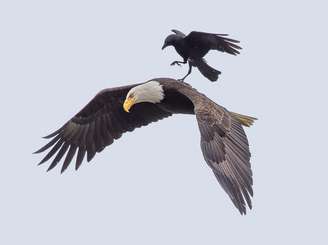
(193, 47)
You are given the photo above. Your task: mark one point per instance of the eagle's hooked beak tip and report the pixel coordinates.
(164, 46)
(128, 103)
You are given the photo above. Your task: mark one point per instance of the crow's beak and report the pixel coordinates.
(164, 46)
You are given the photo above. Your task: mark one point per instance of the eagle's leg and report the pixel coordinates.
(189, 71)
(178, 63)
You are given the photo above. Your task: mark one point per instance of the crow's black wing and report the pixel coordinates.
(97, 125)
(179, 33)
(206, 41)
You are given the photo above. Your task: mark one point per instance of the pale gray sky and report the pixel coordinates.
(153, 186)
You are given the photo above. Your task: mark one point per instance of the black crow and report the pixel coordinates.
(195, 46)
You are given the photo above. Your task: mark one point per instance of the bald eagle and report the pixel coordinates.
(115, 111)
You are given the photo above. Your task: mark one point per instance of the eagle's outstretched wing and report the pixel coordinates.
(97, 125)
(226, 150)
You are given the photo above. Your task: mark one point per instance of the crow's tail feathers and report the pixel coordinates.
(209, 72)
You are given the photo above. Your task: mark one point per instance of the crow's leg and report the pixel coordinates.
(178, 63)
(189, 71)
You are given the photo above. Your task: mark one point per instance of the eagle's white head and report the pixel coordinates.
(151, 92)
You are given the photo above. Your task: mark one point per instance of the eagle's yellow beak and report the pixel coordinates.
(128, 103)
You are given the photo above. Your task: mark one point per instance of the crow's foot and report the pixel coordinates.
(176, 63)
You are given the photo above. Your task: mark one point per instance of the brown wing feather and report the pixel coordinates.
(226, 150)
(97, 125)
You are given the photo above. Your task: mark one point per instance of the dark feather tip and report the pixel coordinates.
(54, 133)
(36, 152)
